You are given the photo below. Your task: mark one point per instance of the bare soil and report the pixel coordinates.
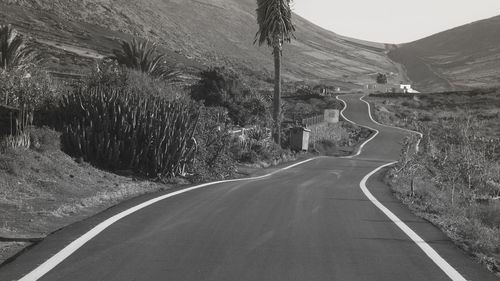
(41, 192)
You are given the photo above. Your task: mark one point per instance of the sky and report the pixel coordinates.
(393, 21)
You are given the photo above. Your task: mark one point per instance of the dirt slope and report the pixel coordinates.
(206, 31)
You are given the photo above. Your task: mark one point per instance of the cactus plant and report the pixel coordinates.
(118, 130)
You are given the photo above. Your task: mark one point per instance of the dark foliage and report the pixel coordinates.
(144, 56)
(118, 130)
(381, 78)
(213, 159)
(221, 87)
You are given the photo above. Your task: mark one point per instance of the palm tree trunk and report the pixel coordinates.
(277, 95)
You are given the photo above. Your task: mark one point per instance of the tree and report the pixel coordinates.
(14, 52)
(16, 56)
(381, 78)
(143, 56)
(222, 87)
(275, 27)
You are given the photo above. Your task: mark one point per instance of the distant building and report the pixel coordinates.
(391, 88)
(407, 89)
(329, 91)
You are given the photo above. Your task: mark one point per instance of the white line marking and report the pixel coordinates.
(417, 146)
(428, 250)
(48, 265)
(360, 149)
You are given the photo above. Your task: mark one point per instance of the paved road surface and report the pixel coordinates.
(311, 222)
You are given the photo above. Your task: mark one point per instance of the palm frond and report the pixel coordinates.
(143, 56)
(275, 22)
(14, 51)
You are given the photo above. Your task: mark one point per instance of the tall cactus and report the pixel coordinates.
(117, 130)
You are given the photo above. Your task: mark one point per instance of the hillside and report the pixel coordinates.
(195, 33)
(464, 57)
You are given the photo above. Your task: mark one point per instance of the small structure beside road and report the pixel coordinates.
(299, 138)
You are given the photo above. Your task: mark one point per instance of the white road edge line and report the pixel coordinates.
(59, 257)
(428, 250)
(417, 146)
(452, 273)
(360, 149)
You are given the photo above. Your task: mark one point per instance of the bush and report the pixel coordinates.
(257, 146)
(119, 130)
(487, 213)
(300, 108)
(213, 159)
(29, 90)
(44, 139)
(10, 163)
(326, 147)
(144, 56)
(109, 74)
(224, 88)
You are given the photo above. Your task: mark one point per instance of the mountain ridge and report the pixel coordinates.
(460, 58)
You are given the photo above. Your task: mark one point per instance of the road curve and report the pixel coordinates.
(309, 222)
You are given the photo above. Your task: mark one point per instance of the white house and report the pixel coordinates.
(406, 88)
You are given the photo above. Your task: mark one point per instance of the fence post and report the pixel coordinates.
(412, 187)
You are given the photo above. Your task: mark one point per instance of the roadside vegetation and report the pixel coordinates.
(454, 179)
(70, 148)
(275, 28)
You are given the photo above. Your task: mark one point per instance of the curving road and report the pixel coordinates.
(310, 222)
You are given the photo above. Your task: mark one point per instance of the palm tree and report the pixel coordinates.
(143, 56)
(14, 52)
(275, 27)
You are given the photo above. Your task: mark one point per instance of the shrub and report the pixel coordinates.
(326, 147)
(29, 90)
(143, 56)
(425, 118)
(9, 162)
(487, 213)
(213, 159)
(258, 146)
(44, 139)
(15, 52)
(224, 88)
(300, 108)
(20, 140)
(110, 74)
(119, 130)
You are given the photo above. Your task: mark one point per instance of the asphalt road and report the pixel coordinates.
(310, 222)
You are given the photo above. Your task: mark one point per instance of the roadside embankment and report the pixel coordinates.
(454, 180)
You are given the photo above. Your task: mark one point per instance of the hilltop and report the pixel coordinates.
(464, 57)
(195, 34)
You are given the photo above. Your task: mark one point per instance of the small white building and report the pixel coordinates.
(407, 89)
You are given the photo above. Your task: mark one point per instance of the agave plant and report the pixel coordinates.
(14, 52)
(143, 56)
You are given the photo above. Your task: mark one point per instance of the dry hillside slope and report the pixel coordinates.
(208, 31)
(464, 57)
